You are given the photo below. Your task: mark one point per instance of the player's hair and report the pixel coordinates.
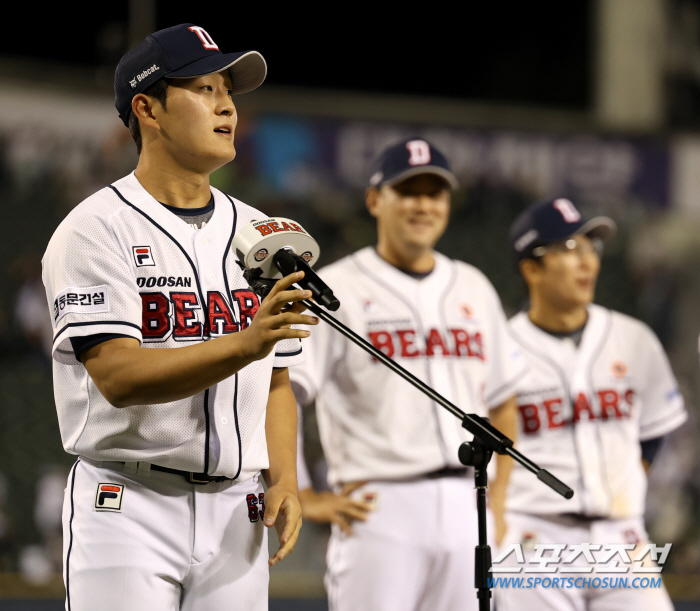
(159, 91)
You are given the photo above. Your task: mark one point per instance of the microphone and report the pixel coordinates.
(270, 249)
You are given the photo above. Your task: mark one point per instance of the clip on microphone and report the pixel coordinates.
(283, 239)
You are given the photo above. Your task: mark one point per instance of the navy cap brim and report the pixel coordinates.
(601, 227)
(248, 69)
(448, 176)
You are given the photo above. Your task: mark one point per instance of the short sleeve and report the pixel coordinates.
(507, 364)
(322, 349)
(288, 353)
(90, 287)
(662, 406)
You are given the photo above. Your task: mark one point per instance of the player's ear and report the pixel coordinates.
(529, 270)
(372, 200)
(143, 108)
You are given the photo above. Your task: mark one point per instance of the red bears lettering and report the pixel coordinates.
(248, 304)
(530, 418)
(404, 340)
(582, 408)
(381, 340)
(468, 345)
(186, 323)
(435, 341)
(554, 418)
(609, 402)
(219, 319)
(264, 229)
(155, 320)
(408, 349)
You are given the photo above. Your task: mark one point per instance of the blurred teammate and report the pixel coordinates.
(384, 440)
(597, 400)
(170, 376)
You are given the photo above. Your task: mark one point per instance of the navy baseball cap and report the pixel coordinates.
(553, 221)
(409, 158)
(182, 51)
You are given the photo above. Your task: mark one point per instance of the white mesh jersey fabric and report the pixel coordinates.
(166, 286)
(583, 411)
(447, 329)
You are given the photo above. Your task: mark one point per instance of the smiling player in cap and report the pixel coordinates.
(592, 410)
(388, 447)
(170, 376)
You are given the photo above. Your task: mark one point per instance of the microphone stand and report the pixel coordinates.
(476, 453)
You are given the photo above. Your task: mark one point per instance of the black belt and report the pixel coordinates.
(581, 517)
(448, 472)
(192, 478)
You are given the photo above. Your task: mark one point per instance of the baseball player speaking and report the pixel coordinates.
(170, 376)
(597, 400)
(441, 320)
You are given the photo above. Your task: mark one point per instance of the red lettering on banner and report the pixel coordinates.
(298, 228)
(286, 227)
(609, 402)
(274, 225)
(530, 418)
(435, 341)
(554, 418)
(186, 323)
(264, 229)
(406, 337)
(381, 340)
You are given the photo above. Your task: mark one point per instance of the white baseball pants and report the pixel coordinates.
(155, 542)
(414, 553)
(530, 530)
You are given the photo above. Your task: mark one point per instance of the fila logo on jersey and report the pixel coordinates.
(207, 41)
(143, 256)
(549, 413)
(274, 226)
(109, 497)
(404, 342)
(256, 506)
(180, 315)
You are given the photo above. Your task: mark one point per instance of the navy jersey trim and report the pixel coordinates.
(367, 272)
(238, 430)
(227, 250)
(199, 290)
(206, 431)
(286, 354)
(95, 322)
(70, 530)
(229, 298)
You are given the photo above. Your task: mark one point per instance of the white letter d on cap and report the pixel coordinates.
(420, 152)
(207, 41)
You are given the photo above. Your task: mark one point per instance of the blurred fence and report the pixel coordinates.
(314, 169)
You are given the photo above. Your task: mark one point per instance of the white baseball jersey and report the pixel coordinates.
(583, 412)
(448, 329)
(122, 263)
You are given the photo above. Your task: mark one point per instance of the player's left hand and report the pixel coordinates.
(282, 509)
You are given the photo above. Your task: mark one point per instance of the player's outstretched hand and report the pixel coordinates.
(337, 509)
(274, 319)
(282, 510)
